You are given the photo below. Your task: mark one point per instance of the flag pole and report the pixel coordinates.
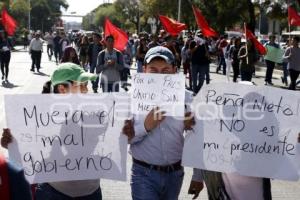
(245, 28)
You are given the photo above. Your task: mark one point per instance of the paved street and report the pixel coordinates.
(23, 81)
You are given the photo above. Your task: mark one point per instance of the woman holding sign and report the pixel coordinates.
(68, 78)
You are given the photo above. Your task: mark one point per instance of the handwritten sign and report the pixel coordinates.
(63, 138)
(250, 130)
(166, 91)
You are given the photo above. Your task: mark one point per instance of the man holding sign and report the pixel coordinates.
(157, 141)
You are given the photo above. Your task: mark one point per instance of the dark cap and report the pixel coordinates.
(160, 52)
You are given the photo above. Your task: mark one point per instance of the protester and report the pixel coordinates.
(186, 61)
(110, 63)
(234, 51)
(125, 73)
(5, 54)
(36, 50)
(228, 59)
(70, 55)
(94, 49)
(200, 63)
(271, 46)
(247, 55)
(292, 54)
(57, 52)
(67, 78)
(156, 171)
(63, 43)
(50, 43)
(13, 185)
(154, 41)
(83, 51)
(285, 70)
(221, 45)
(141, 52)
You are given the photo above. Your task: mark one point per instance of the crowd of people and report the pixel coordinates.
(156, 171)
(194, 54)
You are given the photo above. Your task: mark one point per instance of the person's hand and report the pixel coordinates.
(128, 129)
(195, 188)
(189, 121)
(153, 119)
(6, 138)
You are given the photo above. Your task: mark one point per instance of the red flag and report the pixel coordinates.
(260, 48)
(203, 25)
(172, 26)
(9, 23)
(121, 38)
(294, 18)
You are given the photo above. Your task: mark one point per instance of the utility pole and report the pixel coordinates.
(179, 10)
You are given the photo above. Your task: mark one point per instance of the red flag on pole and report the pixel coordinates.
(294, 17)
(203, 25)
(9, 23)
(120, 36)
(172, 26)
(260, 48)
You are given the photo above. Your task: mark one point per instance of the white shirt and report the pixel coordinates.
(36, 45)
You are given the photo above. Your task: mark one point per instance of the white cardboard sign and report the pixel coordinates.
(64, 138)
(249, 130)
(166, 91)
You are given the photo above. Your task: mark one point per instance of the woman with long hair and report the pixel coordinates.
(83, 51)
(70, 55)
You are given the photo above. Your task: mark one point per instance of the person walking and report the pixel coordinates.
(234, 51)
(271, 47)
(57, 54)
(247, 55)
(94, 49)
(292, 54)
(141, 52)
(5, 55)
(83, 51)
(228, 59)
(50, 43)
(36, 49)
(110, 64)
(200, 64)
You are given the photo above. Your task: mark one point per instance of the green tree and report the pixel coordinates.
(44, 13)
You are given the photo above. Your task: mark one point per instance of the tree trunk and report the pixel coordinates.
(252, 21)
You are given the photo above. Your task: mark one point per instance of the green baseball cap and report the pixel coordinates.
(71, 72)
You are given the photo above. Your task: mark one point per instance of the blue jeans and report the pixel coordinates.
(198, 76)
(222, 62)
(148, 184)
(46, 192)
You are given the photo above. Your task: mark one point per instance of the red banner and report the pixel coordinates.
(120, 36)
(9, 23)
(203, 25)
(172, 26)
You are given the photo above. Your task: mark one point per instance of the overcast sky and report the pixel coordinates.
(81, 7)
